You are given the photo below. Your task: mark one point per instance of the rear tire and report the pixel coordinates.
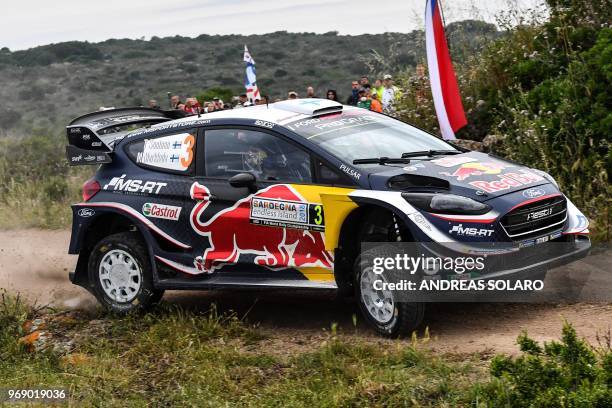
(387, 316)
(120, 274)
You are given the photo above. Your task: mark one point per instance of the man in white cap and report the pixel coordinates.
(388, 95)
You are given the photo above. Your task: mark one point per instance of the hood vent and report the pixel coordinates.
(412, 182)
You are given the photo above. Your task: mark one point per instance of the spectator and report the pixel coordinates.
(192, 107)
(243, 101)
(332, 95)
(375, 104)
(388, 94)
(175, 101)
(354, 98)
(310, 93)
(292, 95)
(218, 103)
(153, 104)
(378, 89)
(364, 100)
(364, 81)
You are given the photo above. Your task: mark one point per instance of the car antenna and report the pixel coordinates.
(266, 96)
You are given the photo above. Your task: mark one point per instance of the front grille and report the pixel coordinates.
(535, 218)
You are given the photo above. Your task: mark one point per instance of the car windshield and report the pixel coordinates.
(359, 134)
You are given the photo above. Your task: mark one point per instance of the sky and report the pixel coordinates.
(25, 24)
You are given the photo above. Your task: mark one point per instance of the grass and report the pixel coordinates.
(174, 357)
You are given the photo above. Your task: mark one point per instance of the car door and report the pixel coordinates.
(270, 224)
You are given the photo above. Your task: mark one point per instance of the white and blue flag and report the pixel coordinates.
(250, 79)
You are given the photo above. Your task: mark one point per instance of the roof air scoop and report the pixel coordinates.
(310, 106)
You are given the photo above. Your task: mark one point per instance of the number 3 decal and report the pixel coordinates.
(189, 142)
(319, 214)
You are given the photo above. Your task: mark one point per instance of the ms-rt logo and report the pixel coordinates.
(470, 231)
(134, 186)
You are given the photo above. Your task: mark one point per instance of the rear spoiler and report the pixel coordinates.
(91, 137)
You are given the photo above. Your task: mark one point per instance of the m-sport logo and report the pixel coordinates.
(470, 232)
(134, 186)
(533, 193)
(539, 214)
(165, 212)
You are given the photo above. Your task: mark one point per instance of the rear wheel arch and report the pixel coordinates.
(101, 227)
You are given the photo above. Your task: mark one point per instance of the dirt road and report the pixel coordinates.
(35, 263)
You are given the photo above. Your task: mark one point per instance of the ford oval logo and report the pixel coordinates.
(533, 193)
(86, 212)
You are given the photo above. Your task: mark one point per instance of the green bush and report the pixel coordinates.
(569, 373)
(543, 89)
(224, 94)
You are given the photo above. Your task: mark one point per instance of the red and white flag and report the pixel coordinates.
(444, 88)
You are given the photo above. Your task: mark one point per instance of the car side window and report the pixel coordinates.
(327, 176)
(228, 152)
(171, 153)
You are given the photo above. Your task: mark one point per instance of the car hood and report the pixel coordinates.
(476, 175)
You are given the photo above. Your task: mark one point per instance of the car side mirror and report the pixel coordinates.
(247, 180)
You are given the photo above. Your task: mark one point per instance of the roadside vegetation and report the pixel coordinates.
(37, 185)
(540, 95)
(177, 357)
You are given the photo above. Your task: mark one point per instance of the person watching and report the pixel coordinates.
(364, 100)
(243, 100)
(378, 89)
(175, 101)
(218, 103)
(354, 97)
(310, 93)
(332, 95)
(292, 95)
(375, 104)
(388, 94)
(153, 104)
(191, 106)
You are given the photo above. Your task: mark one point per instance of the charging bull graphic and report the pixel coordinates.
(231, 234)
(476, 169)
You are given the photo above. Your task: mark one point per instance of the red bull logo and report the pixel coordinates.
(476, 169)
(507, 181)
(231, 234)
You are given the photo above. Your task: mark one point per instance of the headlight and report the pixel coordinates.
(547, 176)
(446, 204)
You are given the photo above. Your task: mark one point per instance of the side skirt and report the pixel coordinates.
(243, 282)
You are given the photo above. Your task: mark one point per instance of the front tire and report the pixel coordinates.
(387, 316)
(120, 274)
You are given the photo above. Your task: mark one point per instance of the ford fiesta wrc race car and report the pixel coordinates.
(282, 196)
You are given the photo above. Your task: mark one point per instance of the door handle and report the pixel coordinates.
(202, 196)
